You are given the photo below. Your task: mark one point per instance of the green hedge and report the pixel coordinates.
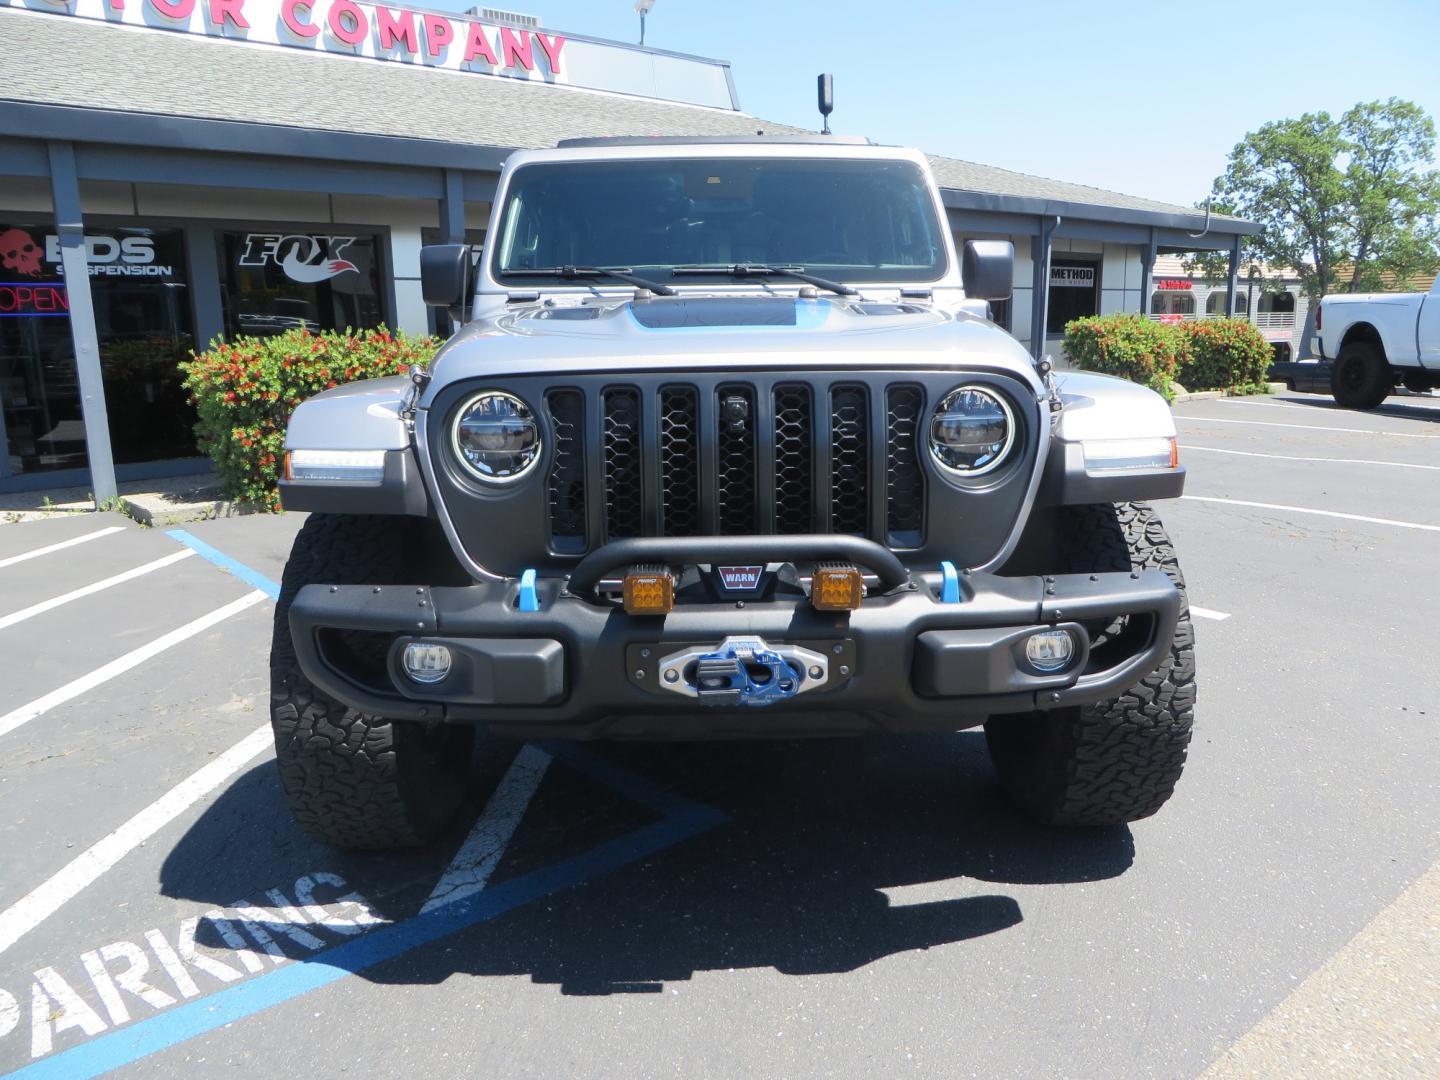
(1200, 354)
(1224, 354)
(1130, 346)
(245, 390)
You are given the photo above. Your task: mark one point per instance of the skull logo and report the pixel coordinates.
(18, 251)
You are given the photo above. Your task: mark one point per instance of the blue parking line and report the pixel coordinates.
(683, 820)
(253, 578)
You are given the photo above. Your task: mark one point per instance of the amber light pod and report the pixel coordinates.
(649, 590)
(836, 588)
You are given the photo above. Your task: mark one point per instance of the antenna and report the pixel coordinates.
(825, 92)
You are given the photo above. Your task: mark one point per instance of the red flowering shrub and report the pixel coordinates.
(1130, 346)
(246, 389)
(1224, 354)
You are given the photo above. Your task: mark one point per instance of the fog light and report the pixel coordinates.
(836, 588)
(1049, 650)
(649, 590)
(426, 663)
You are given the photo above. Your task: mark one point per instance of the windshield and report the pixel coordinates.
(846, 220)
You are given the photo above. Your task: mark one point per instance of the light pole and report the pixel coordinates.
(642, 8)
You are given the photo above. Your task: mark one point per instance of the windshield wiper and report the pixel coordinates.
(621, 273)
(741, 270)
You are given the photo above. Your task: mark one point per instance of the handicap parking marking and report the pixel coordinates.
(251, 577)
(368, 943)
(85, 869)
(480, 854)
(61, 545)
(43, 901)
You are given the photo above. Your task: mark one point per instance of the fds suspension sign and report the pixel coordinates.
(346, 27)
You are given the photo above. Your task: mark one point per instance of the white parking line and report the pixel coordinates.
(1305, 427)
(1379, 410)
(1321, 513)
(1186, 447)
(47, 898)
(477, 858)
(13, 559)
(23, 715)
(94, 587)
(1208, 613)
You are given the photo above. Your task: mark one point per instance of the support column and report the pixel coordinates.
(69, 224)
(452, 208)
(204, 285)
(411, 314)
(1040, 284)
(1234, 277)
(1147, 273)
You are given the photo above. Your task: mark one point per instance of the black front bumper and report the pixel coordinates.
(576, 668)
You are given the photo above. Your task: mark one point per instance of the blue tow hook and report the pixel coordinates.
(949, 583)
(529, 599)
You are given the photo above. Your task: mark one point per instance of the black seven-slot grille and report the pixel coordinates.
(736, 458)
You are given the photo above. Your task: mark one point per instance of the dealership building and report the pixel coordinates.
(214, 168)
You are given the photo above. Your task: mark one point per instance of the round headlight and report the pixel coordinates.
(497, 437)
(972, 431)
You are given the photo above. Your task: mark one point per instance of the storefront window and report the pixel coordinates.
(1074, 292)
(1215, 303)
(142, 318)
(277, 281)
(1172, 303)
(1277, 302)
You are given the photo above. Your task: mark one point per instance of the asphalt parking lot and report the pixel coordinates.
(830, 908)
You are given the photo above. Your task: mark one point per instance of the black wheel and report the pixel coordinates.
(1360, 378)
(352, 780)
(1117, 760)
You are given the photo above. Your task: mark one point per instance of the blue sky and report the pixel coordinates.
(1145, 98)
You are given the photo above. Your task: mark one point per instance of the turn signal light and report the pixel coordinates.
(649, 590)
(836, 588)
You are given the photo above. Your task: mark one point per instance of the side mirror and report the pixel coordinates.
(987, 269)
(445, 274)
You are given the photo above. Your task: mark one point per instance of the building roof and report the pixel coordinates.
(969, 176)
(1389, 281)
(157, 73)
(1173, 266)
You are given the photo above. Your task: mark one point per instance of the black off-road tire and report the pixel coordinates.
(1118, 760)
(1360, 377)
(358, 782)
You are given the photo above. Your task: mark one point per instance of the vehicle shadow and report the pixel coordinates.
(833, 854)
(1389, 407)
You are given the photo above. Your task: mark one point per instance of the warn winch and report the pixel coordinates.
(743, 671)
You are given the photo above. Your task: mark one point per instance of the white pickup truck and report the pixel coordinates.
(1377, 340)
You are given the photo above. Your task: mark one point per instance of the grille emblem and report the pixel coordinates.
(744, 578)
(735, 411)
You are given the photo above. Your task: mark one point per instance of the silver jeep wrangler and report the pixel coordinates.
(726, 448)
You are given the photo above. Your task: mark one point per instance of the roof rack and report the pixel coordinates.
(681, 140)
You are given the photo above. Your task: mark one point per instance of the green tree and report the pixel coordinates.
(1356, 193)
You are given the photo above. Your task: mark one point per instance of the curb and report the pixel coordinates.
(153, 510)
(1210, 395)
